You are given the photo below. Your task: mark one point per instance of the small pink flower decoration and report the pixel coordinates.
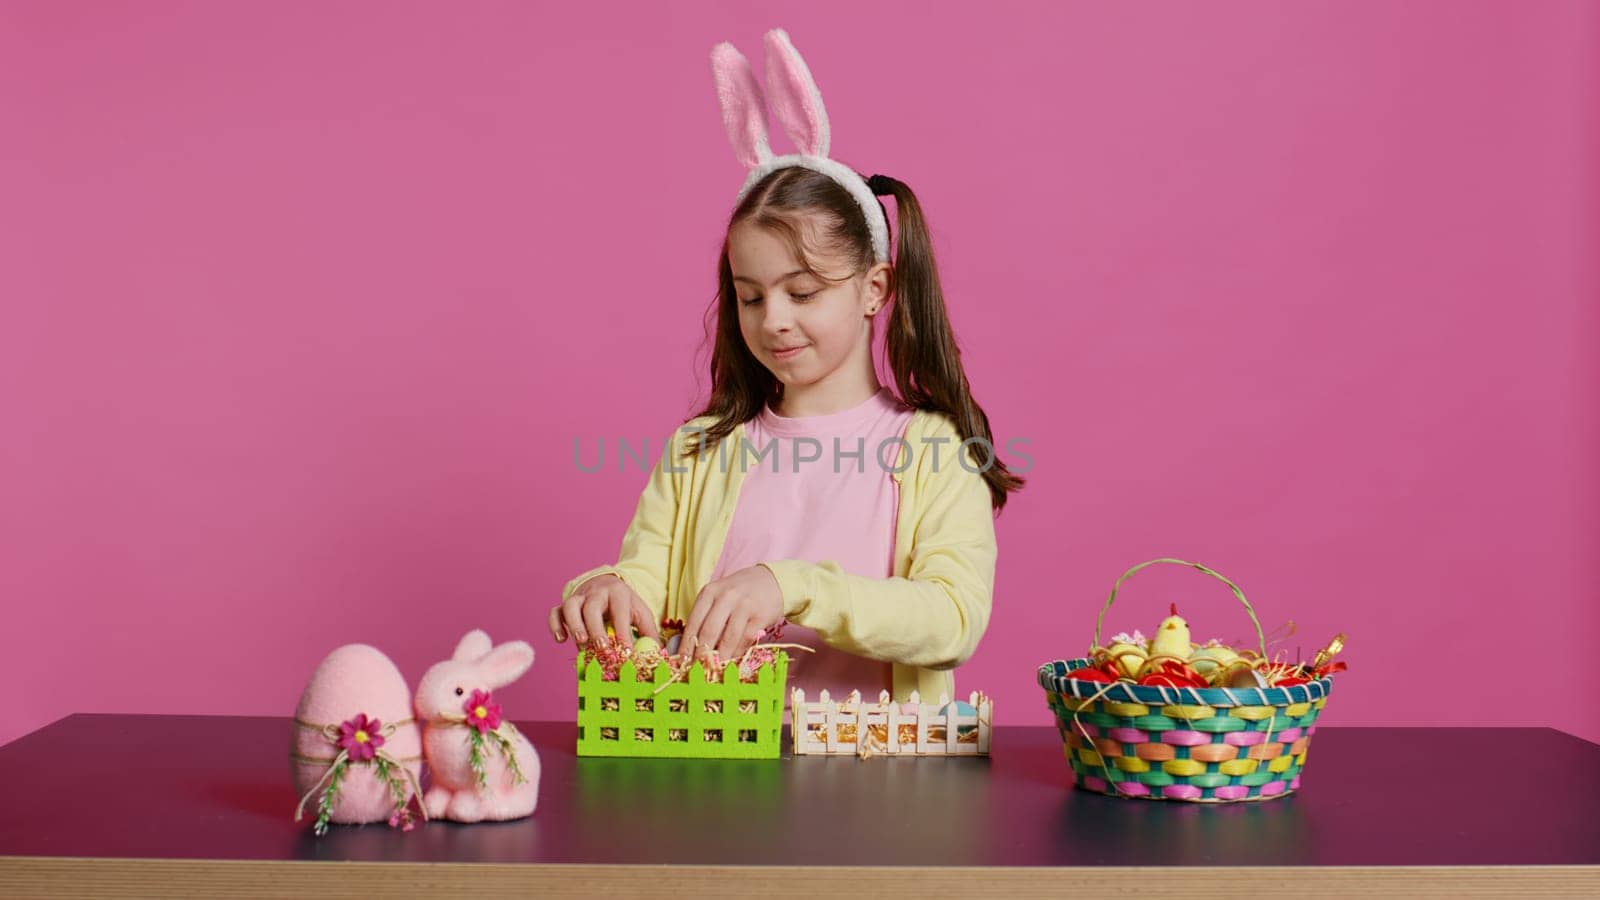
(482, 712)
(360, 736)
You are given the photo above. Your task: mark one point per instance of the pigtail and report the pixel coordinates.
(921, 344)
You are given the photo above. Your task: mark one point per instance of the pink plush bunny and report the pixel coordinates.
(460, 720)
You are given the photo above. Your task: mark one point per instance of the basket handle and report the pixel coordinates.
(1261, 635)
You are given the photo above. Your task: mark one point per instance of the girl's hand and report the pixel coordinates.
(583, 615)
(731, 612)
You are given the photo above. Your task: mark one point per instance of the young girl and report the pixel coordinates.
(806, 494)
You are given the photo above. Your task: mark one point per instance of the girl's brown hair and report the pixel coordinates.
(816, 215)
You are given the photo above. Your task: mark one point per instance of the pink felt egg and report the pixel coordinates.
(354, 685)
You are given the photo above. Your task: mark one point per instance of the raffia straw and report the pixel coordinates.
(868, 745)
(682, 673)
(677, 673)
(866, 749)
(1272, 637)
(753, 647)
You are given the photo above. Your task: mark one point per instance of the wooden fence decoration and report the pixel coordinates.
(828, 727)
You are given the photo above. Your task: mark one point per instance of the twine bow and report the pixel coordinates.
(337, 764)
(476, 737)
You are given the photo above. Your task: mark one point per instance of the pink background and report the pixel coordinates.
(304, 306)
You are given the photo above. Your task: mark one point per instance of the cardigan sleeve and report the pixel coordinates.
(643, 561)
(933, 616)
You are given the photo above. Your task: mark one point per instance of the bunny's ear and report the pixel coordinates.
(506, 663)
(474, 645)
(744, 108)
(795, 99)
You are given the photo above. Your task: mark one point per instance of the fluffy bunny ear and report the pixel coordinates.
(473, 645)
(744, 108)
(506, 663)
(794, 96)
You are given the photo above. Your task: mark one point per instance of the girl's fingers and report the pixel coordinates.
(556, 630)
(697, 615)
(752, 633)
(711, 629)
(646, 620)
(621, 609)
(732, 636)
(572, 616)
(594, 620)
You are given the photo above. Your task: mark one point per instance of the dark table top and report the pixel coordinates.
(204, 787)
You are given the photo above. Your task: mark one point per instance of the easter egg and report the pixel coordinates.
(357, 703)
(1128, 658)
(1226, 675)
(1245, 678)
(1210, 659)
(1089, 673)
(962, 709)
(645, 644)
(611, 631)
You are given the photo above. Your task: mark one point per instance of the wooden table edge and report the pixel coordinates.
(65, 876)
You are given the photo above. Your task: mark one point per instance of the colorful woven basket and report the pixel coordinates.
(1205, 745)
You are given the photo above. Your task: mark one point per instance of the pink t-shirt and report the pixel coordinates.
(794, 505)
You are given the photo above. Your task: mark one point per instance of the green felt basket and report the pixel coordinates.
(693, 717)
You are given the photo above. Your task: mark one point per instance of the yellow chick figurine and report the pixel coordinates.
(1172, 638)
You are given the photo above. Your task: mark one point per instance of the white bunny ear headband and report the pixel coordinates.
(798, 106)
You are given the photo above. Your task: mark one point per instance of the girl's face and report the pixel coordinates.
(800, 327)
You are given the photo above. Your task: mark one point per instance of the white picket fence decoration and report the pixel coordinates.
(815, 725)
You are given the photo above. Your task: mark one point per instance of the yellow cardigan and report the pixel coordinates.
(926, 619)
